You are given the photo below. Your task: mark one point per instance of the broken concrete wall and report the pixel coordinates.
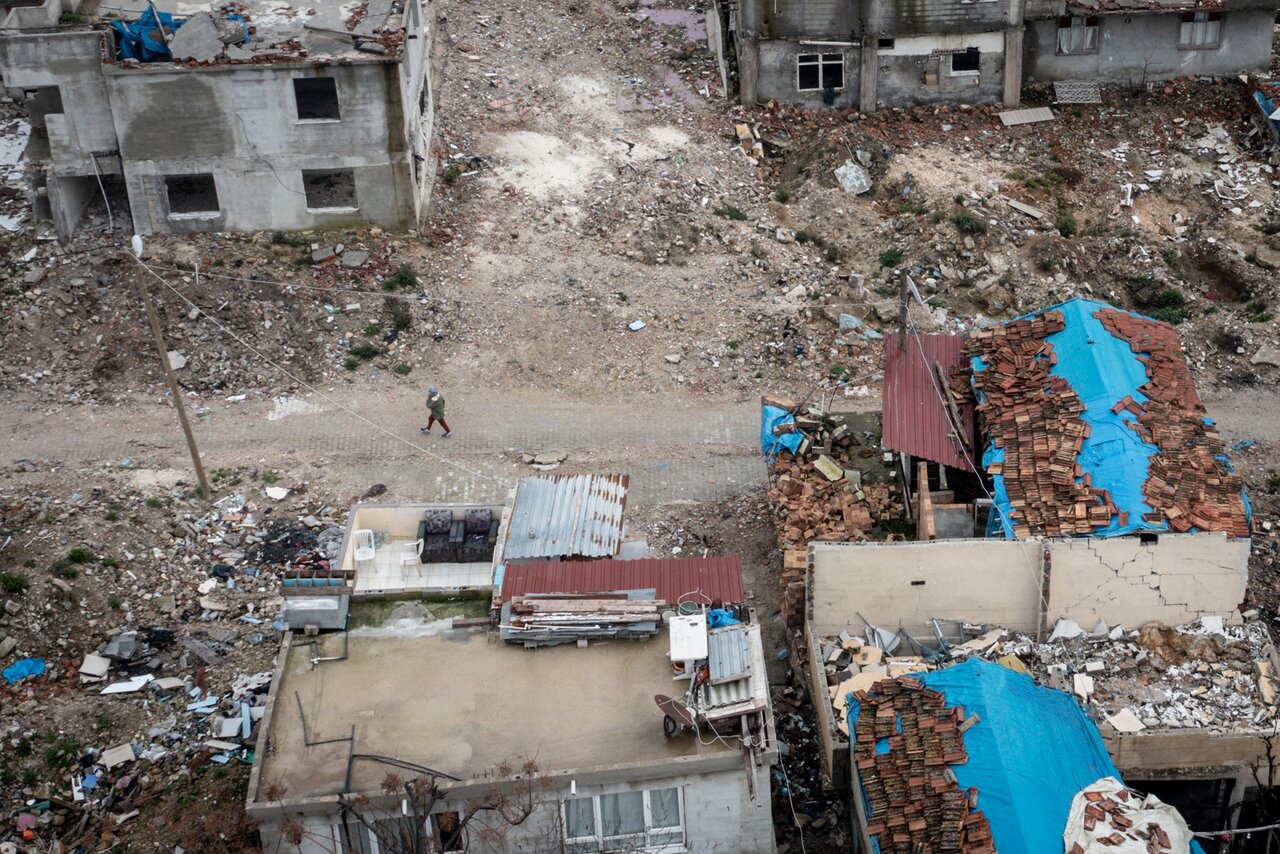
(776, 73)
(917, 70)
(38, 16)
(908, 584)
(68, 200)
(417, 95)
(241, 126)
(73, 63)
(1134, 48)
(1173, 579)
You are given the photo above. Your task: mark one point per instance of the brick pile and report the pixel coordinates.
(1035, 418)
(1188, 485)
(1110, 822)
(811, 507)
(915, 804)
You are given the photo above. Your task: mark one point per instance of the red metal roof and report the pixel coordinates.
(697, 579)
(916, 421)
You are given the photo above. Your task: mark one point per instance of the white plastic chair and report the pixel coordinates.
(414, 555)
(364, 544)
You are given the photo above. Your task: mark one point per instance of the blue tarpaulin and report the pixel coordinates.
(22, 668)
(770, 444)
(1102, 369)
(1031, 751)
(141, 39)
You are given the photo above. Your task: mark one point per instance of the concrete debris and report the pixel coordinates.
(853, 178)
(1266, 356)
(197, 39)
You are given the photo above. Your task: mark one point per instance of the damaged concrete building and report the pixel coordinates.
(873, 53)
(259, 117)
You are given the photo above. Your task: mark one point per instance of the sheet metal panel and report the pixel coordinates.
(567, 515)
(916, 421)
(700, 580)
(727, 654)
(742, 695)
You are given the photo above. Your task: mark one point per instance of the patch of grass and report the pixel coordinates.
(622, 297)
(452, 173)
(1172, 316)
(403, 369)
(154, 502)
(967, 223)
(68, 19)
(13, 583)
(23, 748)
(111, 516)
(81, 556)
(890, 257)
(1169, 298)
(113, 602)
(401, 316)
(782, 194)
(912, 206)
(836, 372)
(1066, 224)
(109, 562)
(281, 238)
(63, 568)
(1257, 311)
(364, 351)
(1170, 256)
(405, 276)
(829, 250)
(732, 213)
(682, 56)
(733, 343)
(29, 563)
(61, 752)
(372, 329)
(832, 253)
(350, 363)
(269, 477)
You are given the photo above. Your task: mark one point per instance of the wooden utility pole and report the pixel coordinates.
(154, 320)
(903, 297)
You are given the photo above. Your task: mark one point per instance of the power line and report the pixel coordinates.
(316, 391)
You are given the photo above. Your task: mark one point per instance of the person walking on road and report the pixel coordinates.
(435, 405)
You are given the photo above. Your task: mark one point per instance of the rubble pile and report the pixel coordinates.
(1035, 418)
(1188, 485)
(913, 798)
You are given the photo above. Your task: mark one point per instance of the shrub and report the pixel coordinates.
(911, 206)
(13, 583)
(350, 363)
(1169, 298)
(452, 173)
(1172, 316)
(401, 316)
(405, 276)
(63, 568)
(1066, 224)
(732, 213)
(403, 369)
(967, 223)
(81, 556)
(364, 351)
(890, 257)
(782, 194)
(372, 329)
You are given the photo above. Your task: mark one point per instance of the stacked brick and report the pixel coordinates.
(915, 804)
(810, 507)
(1107, 822)
(1188, 484)
(1035, 418)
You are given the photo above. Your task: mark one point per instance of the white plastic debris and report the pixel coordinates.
(853, 178)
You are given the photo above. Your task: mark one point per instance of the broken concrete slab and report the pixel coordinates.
(354, 258)
(1266, 356)
(1034, 213)
(198, 39)
(323, 254)
(1267, 257)
(95, 666)
(117, 755)
(177, 361)
(853, 178)
(1028, 116)
(137, 683)
(1126, 721)
(829, 468)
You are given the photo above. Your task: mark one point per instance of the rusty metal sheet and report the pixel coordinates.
(916, 419)
(700, 580)
(567, 515)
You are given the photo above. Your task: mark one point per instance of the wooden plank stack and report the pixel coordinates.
(1188, 484)
(1035, 418)
(914, 801)
(551, 618)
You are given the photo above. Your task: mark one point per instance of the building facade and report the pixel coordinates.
(297, 125)
(868, 54)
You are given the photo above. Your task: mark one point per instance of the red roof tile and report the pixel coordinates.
(696, 579)
(916, 421)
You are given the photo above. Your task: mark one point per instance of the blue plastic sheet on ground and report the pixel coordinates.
(1032, 750)
(23, 668)
(1102, 369)
(770, 444)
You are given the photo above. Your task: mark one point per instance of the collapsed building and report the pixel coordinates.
(644, 717)
(1075, 519)
(873, 53)
(243, 118)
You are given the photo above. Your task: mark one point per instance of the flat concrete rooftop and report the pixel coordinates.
(462, 703)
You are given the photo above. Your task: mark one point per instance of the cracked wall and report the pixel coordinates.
(1176, 579)
(909, 584)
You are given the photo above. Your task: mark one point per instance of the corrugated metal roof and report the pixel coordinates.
(701, 580)
(916, 422)
(740, 696)
(727, 654)
(567, 515)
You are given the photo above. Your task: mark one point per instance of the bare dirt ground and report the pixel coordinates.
(590, 177)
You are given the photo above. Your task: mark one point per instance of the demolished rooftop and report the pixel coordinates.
(1093, 427)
